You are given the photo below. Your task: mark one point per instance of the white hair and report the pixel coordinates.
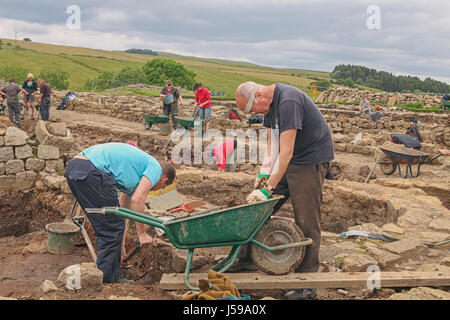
(247, 89)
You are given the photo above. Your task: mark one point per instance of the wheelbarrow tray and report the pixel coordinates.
(186, 122)
(413, 157)
(156, 119)
(231, 226)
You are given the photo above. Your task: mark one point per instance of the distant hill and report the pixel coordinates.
(84, 63)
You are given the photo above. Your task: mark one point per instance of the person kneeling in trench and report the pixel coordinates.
(94, 176)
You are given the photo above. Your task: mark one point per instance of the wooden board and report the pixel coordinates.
(254, 281)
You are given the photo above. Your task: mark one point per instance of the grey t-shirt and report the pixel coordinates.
(293, 109)
(12, 90)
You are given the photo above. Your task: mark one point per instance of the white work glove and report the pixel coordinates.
(261, 180)
(258, 195)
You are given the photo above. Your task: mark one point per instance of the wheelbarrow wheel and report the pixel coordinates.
(387, 166)
(274, 233)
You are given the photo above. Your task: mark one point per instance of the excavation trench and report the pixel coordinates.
(22, 213)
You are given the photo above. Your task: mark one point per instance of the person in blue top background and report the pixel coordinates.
(95, 175)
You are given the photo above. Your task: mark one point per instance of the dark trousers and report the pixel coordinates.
(304, 185)
(14, 111)
(44, 108)
(171, 110)
(96, 189)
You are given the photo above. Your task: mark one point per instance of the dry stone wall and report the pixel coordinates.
(346, 121)
(355, 95)
(24, 160)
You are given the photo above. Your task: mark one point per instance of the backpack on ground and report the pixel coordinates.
(234, 115)
(256, 119)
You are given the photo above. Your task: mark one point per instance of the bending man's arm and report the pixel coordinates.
(137, 203)
(287, 143)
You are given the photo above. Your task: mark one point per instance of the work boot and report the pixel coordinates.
(125, 280)
(18, 125)
(241, 265)
(301, 294)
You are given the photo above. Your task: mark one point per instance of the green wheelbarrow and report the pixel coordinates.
(151, 119)
(190, 122)
(277, 245)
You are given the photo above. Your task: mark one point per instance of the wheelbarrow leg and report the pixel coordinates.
(227, 259)
(187, 271)
(233, 256)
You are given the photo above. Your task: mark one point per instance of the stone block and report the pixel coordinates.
(14, 166)
(357, 262)
(25, 180)
(6, 182)
(6, 154)
(81, 276)
(57, 128)
(47, 152)
(15, 137)
(23, 152)
(56, 165)
(35, 164)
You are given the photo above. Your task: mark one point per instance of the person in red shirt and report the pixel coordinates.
(202, 104)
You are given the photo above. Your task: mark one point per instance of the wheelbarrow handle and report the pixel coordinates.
(99, 210)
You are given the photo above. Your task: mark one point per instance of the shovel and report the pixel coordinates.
(80, 221)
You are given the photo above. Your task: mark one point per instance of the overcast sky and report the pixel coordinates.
(414, 37)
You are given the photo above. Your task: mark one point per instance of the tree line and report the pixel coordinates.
(351, 75)
(142, 51)
(154, 72)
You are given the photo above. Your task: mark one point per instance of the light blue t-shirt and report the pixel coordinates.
(126, 163)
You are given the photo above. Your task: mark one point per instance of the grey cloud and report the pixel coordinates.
(287, 33)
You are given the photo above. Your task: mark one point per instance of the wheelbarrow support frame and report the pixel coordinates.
(223, 265)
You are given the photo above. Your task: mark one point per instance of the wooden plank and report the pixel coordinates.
(255, 281)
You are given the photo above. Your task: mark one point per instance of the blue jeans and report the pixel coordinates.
(44, 109)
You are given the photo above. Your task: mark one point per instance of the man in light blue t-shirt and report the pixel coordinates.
(94, 176)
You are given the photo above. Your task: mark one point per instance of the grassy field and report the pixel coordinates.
(83, 64)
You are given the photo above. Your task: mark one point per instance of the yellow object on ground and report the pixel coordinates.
(167, 189)
(222, 287)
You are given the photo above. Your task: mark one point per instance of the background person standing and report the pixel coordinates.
(29, 89)
(11, 91)
(44, 108)
(170, 97)
(202, 103)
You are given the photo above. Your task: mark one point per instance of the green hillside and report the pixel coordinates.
(83, 64)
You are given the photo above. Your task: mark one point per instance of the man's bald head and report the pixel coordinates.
(244, 92)
(254, 98)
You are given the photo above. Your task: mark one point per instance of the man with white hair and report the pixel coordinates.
(297, 129)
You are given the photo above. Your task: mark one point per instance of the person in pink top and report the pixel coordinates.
(224, 153)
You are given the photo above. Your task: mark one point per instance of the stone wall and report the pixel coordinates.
(25, 160)
(344, 120)
(355, 95)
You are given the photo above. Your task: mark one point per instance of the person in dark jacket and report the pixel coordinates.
(29, 89)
